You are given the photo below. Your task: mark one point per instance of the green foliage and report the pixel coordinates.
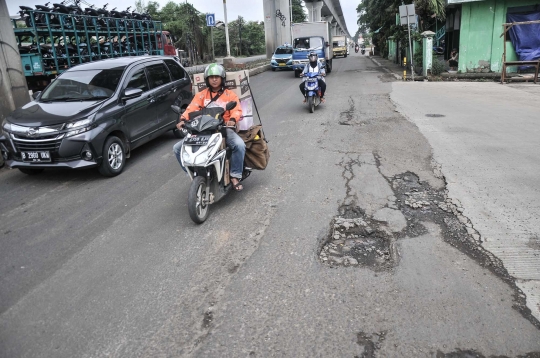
(188, 27)
(379, 17)
(418, 58)
(437, 66)
(298, 14)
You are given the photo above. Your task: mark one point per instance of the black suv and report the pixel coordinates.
(94, 114)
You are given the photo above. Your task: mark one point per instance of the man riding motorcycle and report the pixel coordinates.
(314, 66)
(213, 96)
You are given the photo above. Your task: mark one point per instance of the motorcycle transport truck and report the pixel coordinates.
(311, 37)
(50, 42)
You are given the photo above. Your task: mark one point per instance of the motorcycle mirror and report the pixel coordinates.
(230, 105)
(176, 109)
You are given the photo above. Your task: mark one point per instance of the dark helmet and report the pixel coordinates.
(313, 57)
(215, 70)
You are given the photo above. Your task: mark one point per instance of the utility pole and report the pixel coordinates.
(226, 28)
(240, 33)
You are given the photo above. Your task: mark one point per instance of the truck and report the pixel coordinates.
(339, 46)
(59, 41)
(311, 37)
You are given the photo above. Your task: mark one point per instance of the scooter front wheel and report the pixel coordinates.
(197, 207)
(311, 104)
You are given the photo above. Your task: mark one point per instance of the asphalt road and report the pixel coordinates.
(95, 267)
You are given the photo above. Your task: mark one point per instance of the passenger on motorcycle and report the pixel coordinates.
(314, 66)
(213, 96)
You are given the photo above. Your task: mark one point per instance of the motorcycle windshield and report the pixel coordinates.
(203, 123)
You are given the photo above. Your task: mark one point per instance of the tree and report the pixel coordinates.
(298, 14)
(188, 26)
(379, 18)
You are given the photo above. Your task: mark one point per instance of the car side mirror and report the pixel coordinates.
(176, 109)
(230, 105)
(35, 95)
(130, 93)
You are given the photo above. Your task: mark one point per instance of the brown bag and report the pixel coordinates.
(257, 152)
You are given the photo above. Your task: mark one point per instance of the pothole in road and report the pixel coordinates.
(356, 240)
(435, 115)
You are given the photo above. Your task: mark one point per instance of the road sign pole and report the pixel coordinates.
(212, 36)
(410, 45)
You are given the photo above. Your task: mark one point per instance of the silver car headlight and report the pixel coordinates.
(81, 126)
(6, 126)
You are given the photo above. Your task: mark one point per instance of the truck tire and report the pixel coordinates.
(329, 66)
(296, 73)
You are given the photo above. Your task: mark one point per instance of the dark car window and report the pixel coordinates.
(83, 85)
(284, 51)
(158, 75)
(138, 80)
(177, 72)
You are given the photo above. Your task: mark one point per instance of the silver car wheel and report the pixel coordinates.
(115, 156)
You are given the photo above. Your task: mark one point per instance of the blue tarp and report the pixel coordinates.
(525, 38)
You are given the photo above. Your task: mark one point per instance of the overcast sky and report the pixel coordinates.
(251, 10)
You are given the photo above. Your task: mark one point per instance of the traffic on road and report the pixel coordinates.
(373, 229)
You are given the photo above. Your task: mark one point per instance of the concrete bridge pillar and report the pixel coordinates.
(314, 10)
(317, 7)
(277, 24)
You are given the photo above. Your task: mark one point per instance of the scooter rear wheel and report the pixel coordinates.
(311, 104)
(198, 210)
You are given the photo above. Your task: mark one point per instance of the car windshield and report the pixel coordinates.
(338, 43)
(284, 51)
(308, 43)
(83, 85)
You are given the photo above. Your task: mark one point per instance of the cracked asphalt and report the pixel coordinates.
(94, 267)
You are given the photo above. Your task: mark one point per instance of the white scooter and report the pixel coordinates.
(206, 159)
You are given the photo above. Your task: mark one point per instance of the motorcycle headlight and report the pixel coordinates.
(80, 126)
(185, 156)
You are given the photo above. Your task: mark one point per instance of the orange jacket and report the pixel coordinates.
(202, 98)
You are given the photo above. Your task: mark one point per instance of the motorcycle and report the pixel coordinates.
(356, 49)
(313, 92)
(363, 51)
(206, 159)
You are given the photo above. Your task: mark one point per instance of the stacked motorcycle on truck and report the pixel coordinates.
(53, 38)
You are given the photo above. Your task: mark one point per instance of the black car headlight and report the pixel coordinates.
(81, 126)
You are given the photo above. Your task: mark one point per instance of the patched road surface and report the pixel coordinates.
(357, 241)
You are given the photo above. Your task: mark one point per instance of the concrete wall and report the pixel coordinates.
(480, 44)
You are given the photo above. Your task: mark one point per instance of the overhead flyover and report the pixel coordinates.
(277, 24)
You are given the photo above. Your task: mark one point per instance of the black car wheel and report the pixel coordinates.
(296, 73)
(114, 157)
(273, 68)
(31, 171)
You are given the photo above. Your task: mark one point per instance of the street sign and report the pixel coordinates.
(210, 20)
(407, 11)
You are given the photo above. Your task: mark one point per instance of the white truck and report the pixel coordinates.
(311, 37)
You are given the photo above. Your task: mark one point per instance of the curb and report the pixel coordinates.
(384, 68)
(255, 71)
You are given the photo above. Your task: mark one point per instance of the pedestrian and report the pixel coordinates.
(453, 60)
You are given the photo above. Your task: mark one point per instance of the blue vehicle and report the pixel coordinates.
(311, 37)
(313, 92)
(282, 58)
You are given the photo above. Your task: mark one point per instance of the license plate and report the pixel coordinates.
(36, 157)
(282, 64)
(196, 141)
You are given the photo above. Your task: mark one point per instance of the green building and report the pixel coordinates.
(475, 28)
